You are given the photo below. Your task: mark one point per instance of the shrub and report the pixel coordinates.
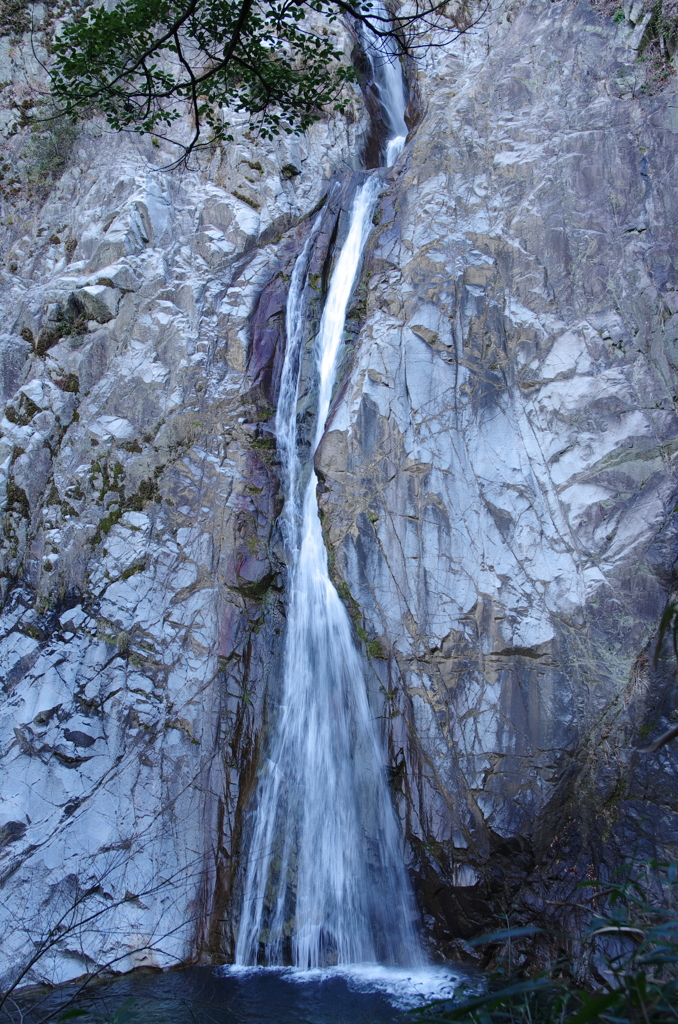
(633, 957)
(49, 150)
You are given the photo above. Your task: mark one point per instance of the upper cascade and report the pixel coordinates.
(389, 82)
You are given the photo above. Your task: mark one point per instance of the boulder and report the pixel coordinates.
(118, 275)
(96, 302)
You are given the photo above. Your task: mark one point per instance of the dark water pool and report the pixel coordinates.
(363, 994)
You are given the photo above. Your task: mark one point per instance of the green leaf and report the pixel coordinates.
(594, 1006)
(492, 1000)
(505, 933)
(260, 58)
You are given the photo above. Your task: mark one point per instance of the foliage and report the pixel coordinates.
(14, 17)
(659, 37)
(658, 45)
(124, 1014)
(136, 62)
(49, 148)
(663, 26)
(273, 61)
(633, 953)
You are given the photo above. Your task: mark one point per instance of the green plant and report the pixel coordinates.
(16, 501)
(658, 45)
(375, 650)
(48, 150)
(125, 1013)
(245, 199)
(66, 324)
(247, 693)
(668, 621)
(274, 60)
(633, 954)
(288, 171)
(70, 383)
(15, 18)
(139, 60)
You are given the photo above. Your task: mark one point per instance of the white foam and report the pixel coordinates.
(404, 988)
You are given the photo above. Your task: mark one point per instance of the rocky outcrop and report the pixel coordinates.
(499, 470)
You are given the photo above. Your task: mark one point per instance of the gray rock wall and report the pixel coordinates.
(141, 604)
(499, 470)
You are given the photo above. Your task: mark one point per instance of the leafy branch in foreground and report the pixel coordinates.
(633, 956)
(273, 60)
(136, 61)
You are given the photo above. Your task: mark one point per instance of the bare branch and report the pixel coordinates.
(665, 738)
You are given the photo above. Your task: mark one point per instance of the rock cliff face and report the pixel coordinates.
(141, 605)
(499, 469)
(498, 496)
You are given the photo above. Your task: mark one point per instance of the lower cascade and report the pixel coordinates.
(325, 881)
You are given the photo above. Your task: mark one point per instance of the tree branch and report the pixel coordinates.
(665, 738)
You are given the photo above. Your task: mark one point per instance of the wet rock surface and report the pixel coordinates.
(499, 470)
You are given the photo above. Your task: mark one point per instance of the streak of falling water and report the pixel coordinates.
(387, 77)
(325, 880)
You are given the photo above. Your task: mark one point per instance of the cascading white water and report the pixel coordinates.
(387, 77)
(325, 880)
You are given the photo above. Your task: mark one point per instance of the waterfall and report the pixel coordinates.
(325, 880)
(389, 84)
